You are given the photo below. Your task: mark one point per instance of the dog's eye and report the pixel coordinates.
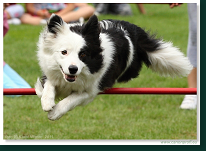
(82, 55)
(64, 52)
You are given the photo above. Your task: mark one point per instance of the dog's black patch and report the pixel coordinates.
(94, 61)
(43, 80)
(142, 43)
(53, 23)
(77, 29)
(90, 32)
(120, 57)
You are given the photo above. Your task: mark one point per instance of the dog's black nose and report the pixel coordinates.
(73, 69)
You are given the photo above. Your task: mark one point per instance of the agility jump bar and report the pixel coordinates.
(165, 91)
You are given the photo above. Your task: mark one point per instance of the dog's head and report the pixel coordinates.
(74, 47)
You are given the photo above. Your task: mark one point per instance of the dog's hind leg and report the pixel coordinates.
(69, 103)
(48, 97)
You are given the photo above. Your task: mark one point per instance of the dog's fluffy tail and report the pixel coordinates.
(38, 88)
(168, 60)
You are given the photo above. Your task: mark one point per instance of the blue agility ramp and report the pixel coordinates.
(11, 79)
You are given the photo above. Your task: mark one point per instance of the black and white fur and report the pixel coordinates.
(80, 60)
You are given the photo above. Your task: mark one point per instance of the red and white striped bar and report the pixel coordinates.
(163, 91)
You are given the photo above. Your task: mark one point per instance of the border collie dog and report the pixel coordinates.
(80, 60)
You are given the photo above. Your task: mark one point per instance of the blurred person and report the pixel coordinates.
(11, 79)
(141, 8)
(14, 12)
(112, 8)
(39, 13)
(190, 101)
(172, 5)
(5, 23)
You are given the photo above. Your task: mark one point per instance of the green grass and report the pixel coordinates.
(139, 117)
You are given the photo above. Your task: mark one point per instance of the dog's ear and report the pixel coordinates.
(54, 23)
(91, 29)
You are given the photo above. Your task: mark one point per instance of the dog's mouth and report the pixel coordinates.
(68, 77)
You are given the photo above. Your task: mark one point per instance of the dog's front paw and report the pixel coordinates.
(47, 105)
(56, 113)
